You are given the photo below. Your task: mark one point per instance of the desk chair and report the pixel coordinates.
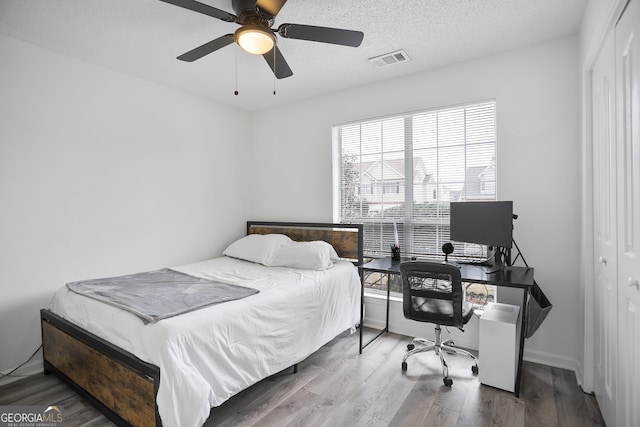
(432, 292)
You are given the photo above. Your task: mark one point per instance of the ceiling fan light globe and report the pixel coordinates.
(255, 40)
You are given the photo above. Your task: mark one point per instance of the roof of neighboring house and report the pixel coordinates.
(471, 188)
(393, 170)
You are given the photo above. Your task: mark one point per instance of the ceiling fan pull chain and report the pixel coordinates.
(274, 69)
(236, 91)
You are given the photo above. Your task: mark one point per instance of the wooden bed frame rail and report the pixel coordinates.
(116, 382)
(120, 385)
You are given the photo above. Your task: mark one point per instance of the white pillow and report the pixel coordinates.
(316, 255)
(259, 248)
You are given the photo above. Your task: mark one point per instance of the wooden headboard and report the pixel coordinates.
(347, 239)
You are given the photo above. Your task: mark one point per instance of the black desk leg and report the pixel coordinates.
(361, 308)
(386, 326)
(523, 326)
(382, 331)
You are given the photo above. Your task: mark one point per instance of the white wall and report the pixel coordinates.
(537, 93)
(104, 174)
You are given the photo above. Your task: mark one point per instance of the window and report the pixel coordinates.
(401, 172)
(391, 187)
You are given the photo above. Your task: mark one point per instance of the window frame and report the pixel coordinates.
(409, 222)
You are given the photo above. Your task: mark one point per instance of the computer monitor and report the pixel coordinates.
(484, 223)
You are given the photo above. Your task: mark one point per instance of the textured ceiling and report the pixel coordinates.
(143, 38)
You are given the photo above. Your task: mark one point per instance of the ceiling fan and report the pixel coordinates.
(256, 35)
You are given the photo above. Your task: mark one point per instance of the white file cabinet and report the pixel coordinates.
(498, 346)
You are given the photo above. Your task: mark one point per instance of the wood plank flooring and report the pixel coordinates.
(338, 387)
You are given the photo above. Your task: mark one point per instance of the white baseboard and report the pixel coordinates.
(33, 367)
(551, 359)
(580, 378)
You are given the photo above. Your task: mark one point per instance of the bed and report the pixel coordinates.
(173, 371)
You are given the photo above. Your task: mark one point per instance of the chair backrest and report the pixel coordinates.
(432, 292)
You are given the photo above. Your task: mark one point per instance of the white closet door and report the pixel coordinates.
(627, 42)
(604, 197)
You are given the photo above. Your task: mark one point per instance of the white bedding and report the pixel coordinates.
(208, 355)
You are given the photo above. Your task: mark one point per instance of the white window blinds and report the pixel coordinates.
(404, 170)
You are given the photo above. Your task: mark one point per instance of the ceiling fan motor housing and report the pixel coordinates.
(251, 17)
(247, 11)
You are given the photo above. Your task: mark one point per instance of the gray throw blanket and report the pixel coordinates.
(156, 295)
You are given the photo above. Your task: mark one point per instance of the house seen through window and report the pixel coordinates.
(401, 172)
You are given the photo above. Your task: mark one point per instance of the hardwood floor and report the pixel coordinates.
(336, 386)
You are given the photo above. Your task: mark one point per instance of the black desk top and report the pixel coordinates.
(512, 277)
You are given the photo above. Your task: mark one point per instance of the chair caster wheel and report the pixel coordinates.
(404, 366)
(447, 381)
(474, 369)
(410, 347)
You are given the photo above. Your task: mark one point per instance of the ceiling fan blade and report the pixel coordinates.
(321, 34)
(207, 48)
(203, 8)
(279, 67)
(272, 7)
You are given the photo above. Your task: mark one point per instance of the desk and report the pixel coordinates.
(510, 277)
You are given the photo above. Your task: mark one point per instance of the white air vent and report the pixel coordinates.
(390, 58)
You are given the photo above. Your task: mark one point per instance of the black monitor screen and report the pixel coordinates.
(484, 223)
